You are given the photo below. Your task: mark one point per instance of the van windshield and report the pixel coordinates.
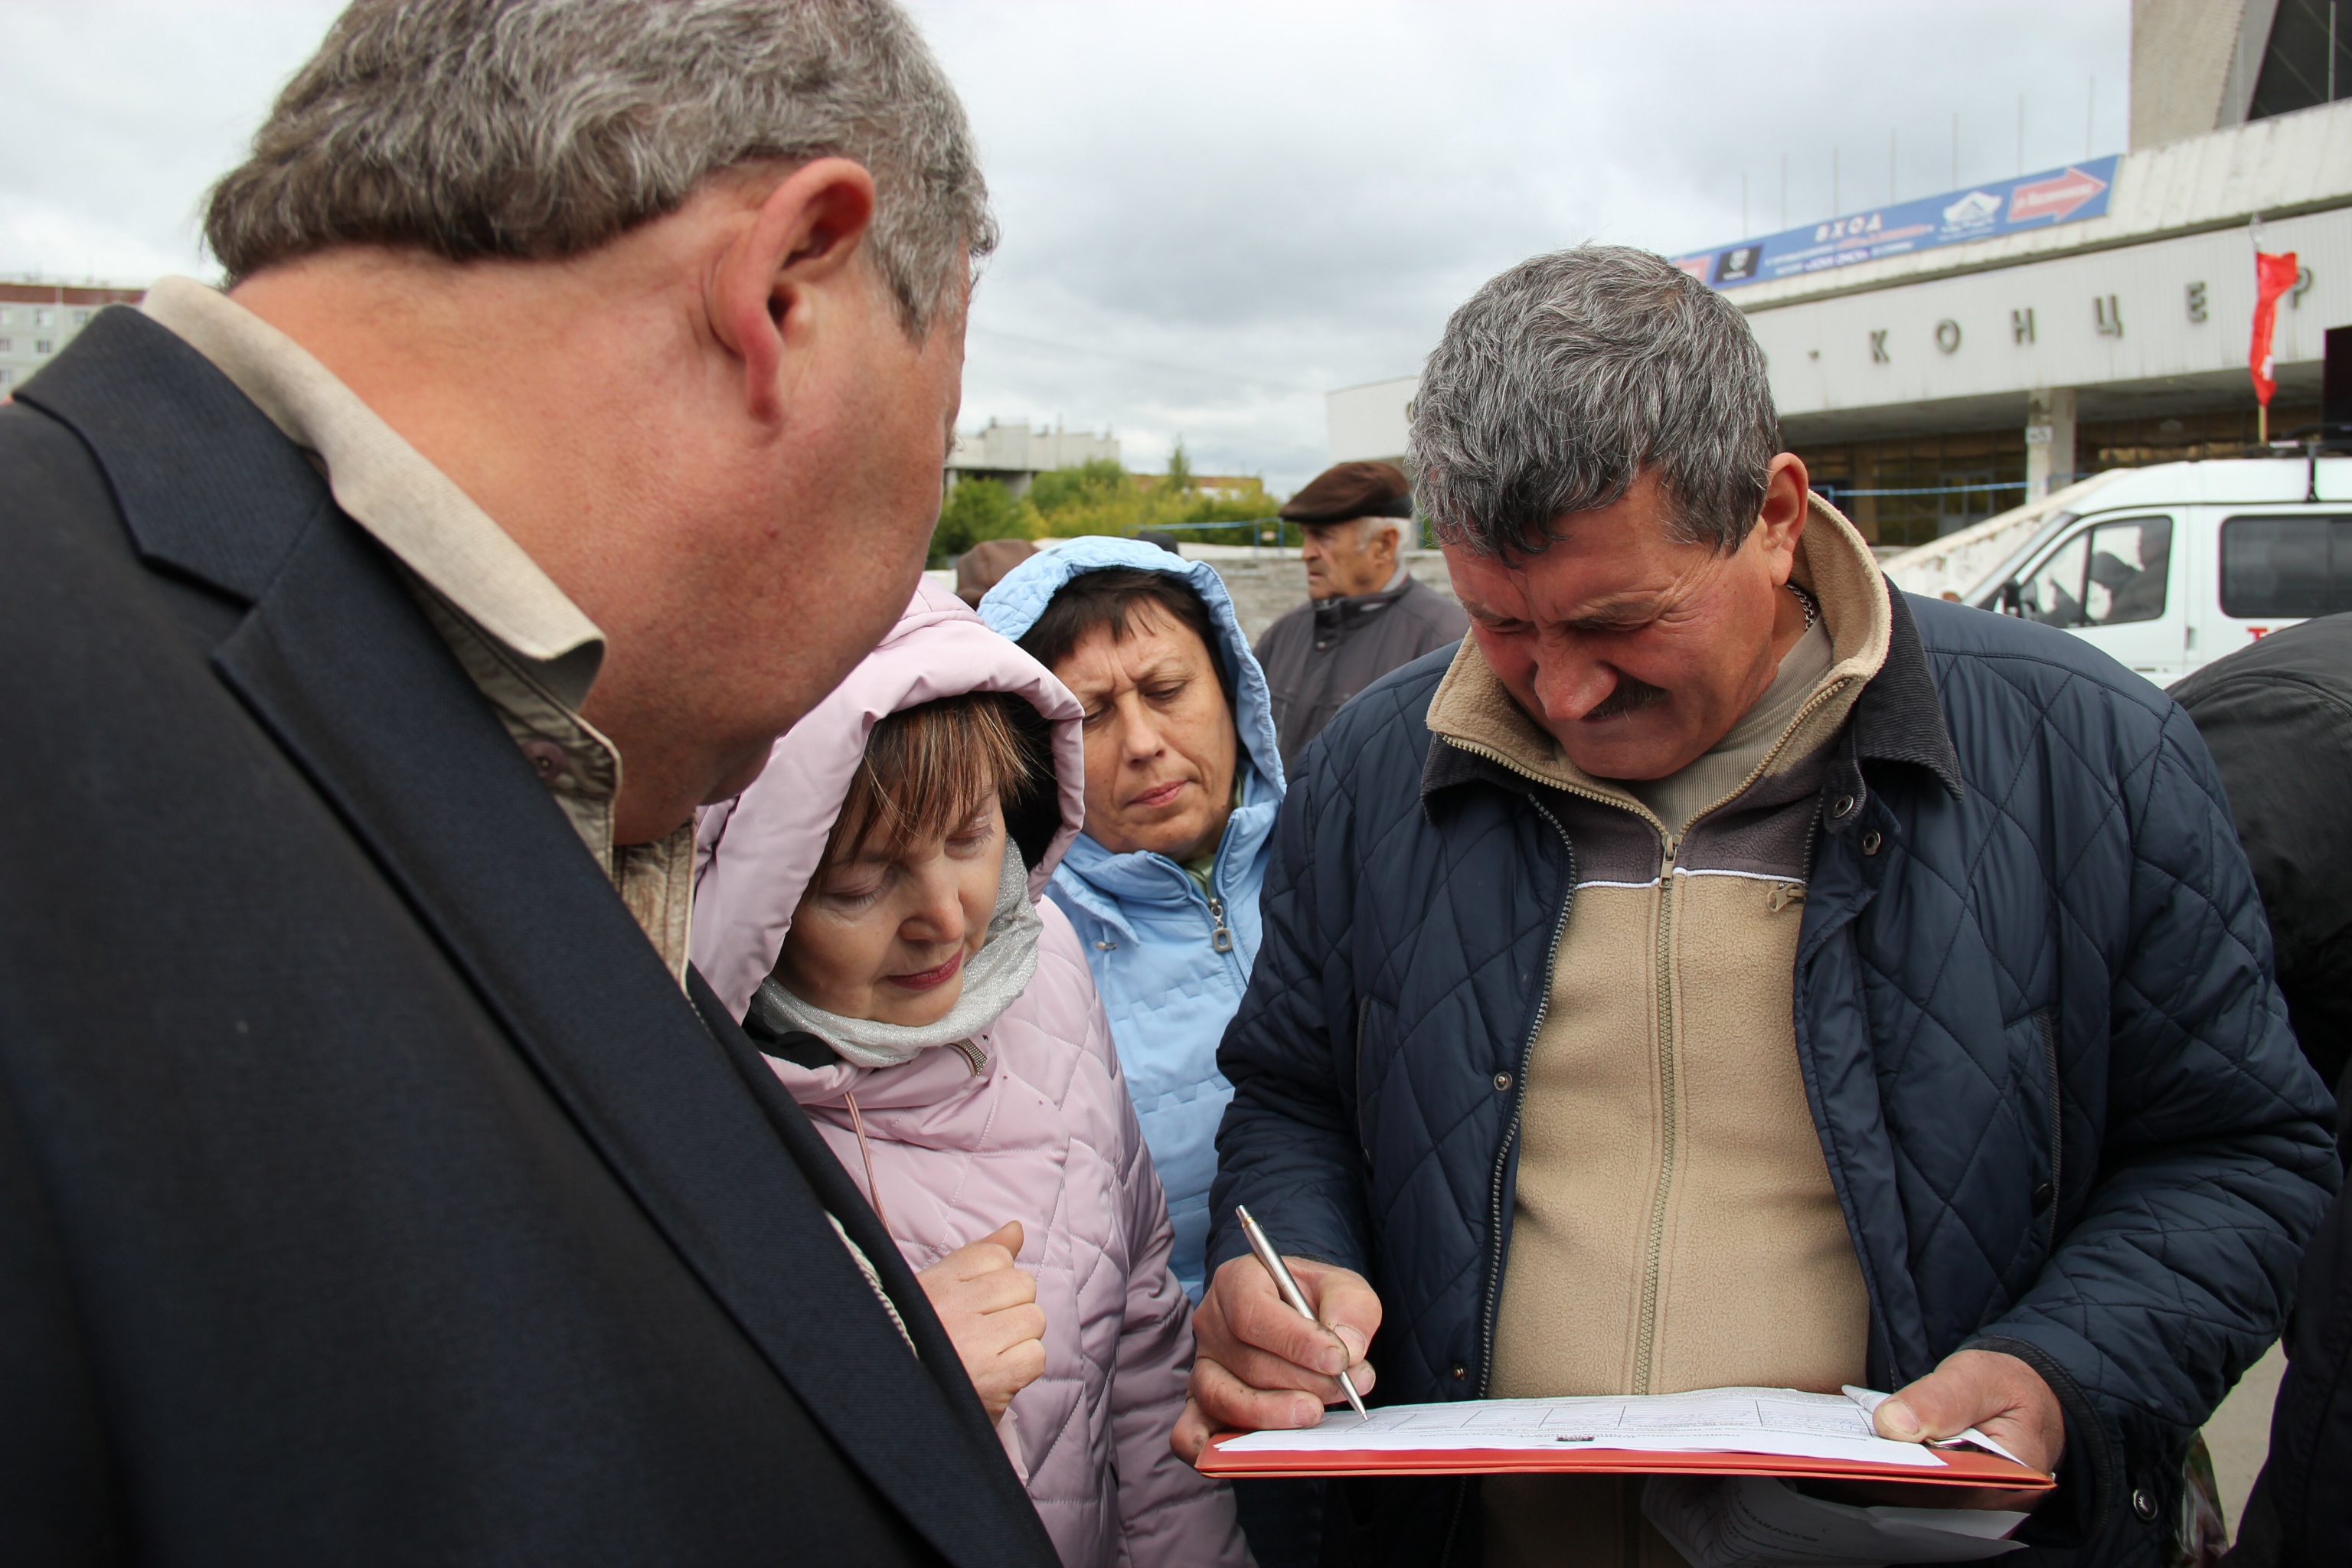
(2107, 575)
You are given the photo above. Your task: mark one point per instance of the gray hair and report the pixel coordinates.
(1564, 379)
(537, 129)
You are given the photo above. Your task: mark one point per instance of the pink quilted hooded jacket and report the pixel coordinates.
(1043, 1132)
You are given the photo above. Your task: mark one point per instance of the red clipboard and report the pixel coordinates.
(1961, 1466)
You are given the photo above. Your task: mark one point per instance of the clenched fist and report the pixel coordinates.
(989, 1310)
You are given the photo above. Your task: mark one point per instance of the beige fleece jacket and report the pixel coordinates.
(1673, 1223)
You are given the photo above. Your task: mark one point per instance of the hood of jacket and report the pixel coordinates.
(1014, 605)
(755, 854)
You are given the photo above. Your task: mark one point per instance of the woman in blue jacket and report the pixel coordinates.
(1183, 782)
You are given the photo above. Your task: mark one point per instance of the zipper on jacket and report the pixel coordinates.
(1510, 1136)
(1221, 938)
(2046, 1027)
(1518, 1108)
(1645, 1333)
(1809, 708)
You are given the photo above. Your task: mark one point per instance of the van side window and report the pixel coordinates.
(2106, 575)
(2287, 568)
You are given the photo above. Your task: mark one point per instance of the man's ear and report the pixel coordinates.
(797, 250)
(1786, 506)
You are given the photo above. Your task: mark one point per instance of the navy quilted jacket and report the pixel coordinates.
(2052, 1075)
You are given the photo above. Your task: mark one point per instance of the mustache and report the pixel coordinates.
(1630, 697)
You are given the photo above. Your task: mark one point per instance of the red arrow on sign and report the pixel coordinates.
(2055, 198)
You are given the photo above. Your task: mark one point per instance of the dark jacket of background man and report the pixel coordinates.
(2277, 717)
(370, 1191)
(1321, 654)
(2040, 1044)
(2300, 1515)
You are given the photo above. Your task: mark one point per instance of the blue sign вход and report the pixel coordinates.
(1989, 211)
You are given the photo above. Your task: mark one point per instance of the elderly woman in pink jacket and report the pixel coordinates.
(872, 909)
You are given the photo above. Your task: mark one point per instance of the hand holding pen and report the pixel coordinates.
(1285, 1282)
(1262, 1364)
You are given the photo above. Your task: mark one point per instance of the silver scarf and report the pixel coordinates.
(992, 978)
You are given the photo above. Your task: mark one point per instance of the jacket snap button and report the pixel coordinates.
(1502, 1081)
(1460, 1372)
(1842, 806)
(2043, 1197)
(546, 759)
(2144, 1503)
(1870, 842)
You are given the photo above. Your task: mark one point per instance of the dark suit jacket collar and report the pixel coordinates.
(208, 487)
(338, 663)
(1898, 717)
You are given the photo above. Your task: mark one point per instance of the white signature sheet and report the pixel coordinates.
(1711, 1420)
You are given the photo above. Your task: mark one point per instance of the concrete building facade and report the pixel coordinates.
(2023, 363)
(1013, 455)
(1930, 389)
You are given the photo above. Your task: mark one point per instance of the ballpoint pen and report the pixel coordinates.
(1288, 1285)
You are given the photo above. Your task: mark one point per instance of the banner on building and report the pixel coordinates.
(1989, 211)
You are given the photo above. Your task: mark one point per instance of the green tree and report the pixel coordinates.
(1180, 471)
(1101, 482)
(1101, 498)
(977, 510)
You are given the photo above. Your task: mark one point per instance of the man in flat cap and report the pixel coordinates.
(1364, 616)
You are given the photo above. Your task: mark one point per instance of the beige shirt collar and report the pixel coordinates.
(412, 508)
(526, 647)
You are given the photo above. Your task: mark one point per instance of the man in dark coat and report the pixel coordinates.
(2277, 717)
(1365, 614)
(1725, 969)
(377, 1183)
(2300, 1514)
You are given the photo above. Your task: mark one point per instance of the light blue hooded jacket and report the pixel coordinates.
(1149, 934)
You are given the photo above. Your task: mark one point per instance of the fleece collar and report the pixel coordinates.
(1887, 703)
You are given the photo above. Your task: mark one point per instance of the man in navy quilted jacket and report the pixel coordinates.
(1724, 969)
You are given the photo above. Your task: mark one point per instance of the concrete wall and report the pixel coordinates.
(1265, 587)
(1015, 453)
(1873, 362)
(1264, 583)
(2181, 52)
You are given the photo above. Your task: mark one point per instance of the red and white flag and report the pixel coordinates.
(2274, 276)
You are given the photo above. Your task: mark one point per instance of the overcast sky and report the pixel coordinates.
(1214, 213)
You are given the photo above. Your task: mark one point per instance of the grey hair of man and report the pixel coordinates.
(1563, 380)
(540, 129)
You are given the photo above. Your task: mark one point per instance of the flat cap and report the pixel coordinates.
(1346, 490)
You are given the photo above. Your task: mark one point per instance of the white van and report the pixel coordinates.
(2169, 567)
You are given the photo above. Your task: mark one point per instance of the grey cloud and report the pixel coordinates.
(1212, 212)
